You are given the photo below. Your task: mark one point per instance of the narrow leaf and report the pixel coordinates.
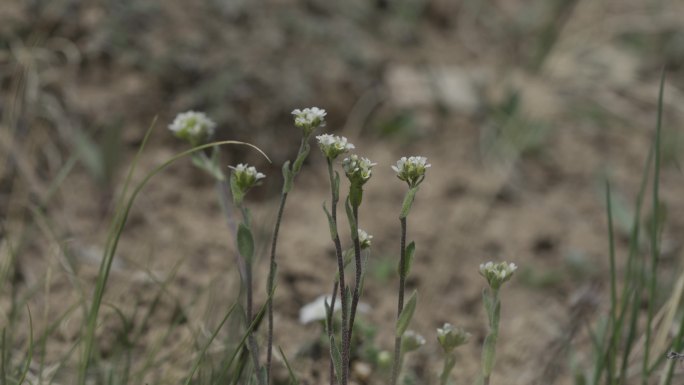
(331, 222)
(408, 259)
(287, 177)
(336, 358)
(293, 378)
(408, 202)
(245, 242)
(406, 314)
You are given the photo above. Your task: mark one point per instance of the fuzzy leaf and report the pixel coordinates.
(406, 314)
(488, 352)
(408, 259)
(336, 358)
(408, 202)
(287, 177)
(301, 157)
(245, 242)
(336, 186)
(331, 222)
(351, 219)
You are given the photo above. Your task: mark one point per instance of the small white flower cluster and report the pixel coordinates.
(194, 127)
(411, 169)
(364, 239)
(411, 341)
(497, 273)
(333, 146)
(450, 338)
(309, 118)
(246, 176)
(358, 169)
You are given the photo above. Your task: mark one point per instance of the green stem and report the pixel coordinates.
(251, 340)
(396, 368)
(331, 330)
(359, 267)
(270, 284)
(342, 285)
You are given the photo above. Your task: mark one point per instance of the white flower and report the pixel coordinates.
(364, 239)
(357, 169)
(246, 176)
(194, 127)
(333, 146)
(309, 118)
(450, 338)
(315, 311)
(411, 341)
(411, 169)
(497, 273)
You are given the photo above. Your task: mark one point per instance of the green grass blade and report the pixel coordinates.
(110, 251)
(614, 327)
(29, 354)
(293, 377)
(655, 248)
(198, 361)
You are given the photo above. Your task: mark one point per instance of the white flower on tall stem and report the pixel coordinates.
(333, 146)
(497, 273)
(309, 119)
(195, 127)
(246, 176)
(412, 169)
(358, 169)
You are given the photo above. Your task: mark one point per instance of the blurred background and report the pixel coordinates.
(523, 108)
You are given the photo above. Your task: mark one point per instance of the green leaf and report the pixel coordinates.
(488, 353)
(355, 194)
(331, 222)
(406, 314)
(408, 202)
(336, 186)
(287, 177)
(301, 157)
(293, 378)
(408, 259)
(245, 242)
(336, 358)
(353, 226)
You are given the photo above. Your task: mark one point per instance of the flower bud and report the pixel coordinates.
(357, 169)
(411, 341)
(364, 239)
(497, 273)
(450, 338)
(246, 176)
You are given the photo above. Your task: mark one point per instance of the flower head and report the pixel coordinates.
(333, 146)
(450, 338)
(357, 169)
(309, 119)
(411, 169)
(411, 341)
(497, 273)
(195, 127)
(245, 176)
(364, 239)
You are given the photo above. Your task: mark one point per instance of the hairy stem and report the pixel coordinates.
(396, 368)
(331, 330)
(270, 284)
(340, 267)
(357, 284)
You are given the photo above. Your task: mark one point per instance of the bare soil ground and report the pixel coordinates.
(521, 135)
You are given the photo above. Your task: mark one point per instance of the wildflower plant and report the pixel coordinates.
(449, 339)
(197, 129)
(308, 119)
(496, 275)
